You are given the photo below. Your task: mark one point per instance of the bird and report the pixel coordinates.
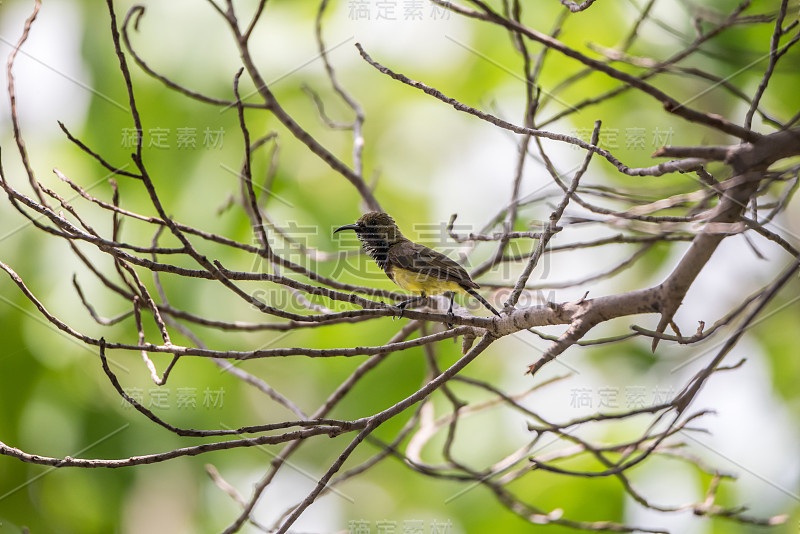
(412, 266)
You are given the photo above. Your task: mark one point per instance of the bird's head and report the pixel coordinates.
(375, 230)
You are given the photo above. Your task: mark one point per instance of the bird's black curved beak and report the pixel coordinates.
(346, 227)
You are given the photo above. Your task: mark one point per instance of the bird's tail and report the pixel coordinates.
(481, 300)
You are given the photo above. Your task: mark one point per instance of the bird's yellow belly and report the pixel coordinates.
(420, 283)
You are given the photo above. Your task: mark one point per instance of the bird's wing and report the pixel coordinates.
(421, 259)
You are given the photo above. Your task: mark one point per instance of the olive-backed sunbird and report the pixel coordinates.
(412, 266)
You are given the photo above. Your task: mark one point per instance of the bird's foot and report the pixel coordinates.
(450, 317)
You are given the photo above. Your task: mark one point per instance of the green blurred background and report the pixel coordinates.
(428, 161)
